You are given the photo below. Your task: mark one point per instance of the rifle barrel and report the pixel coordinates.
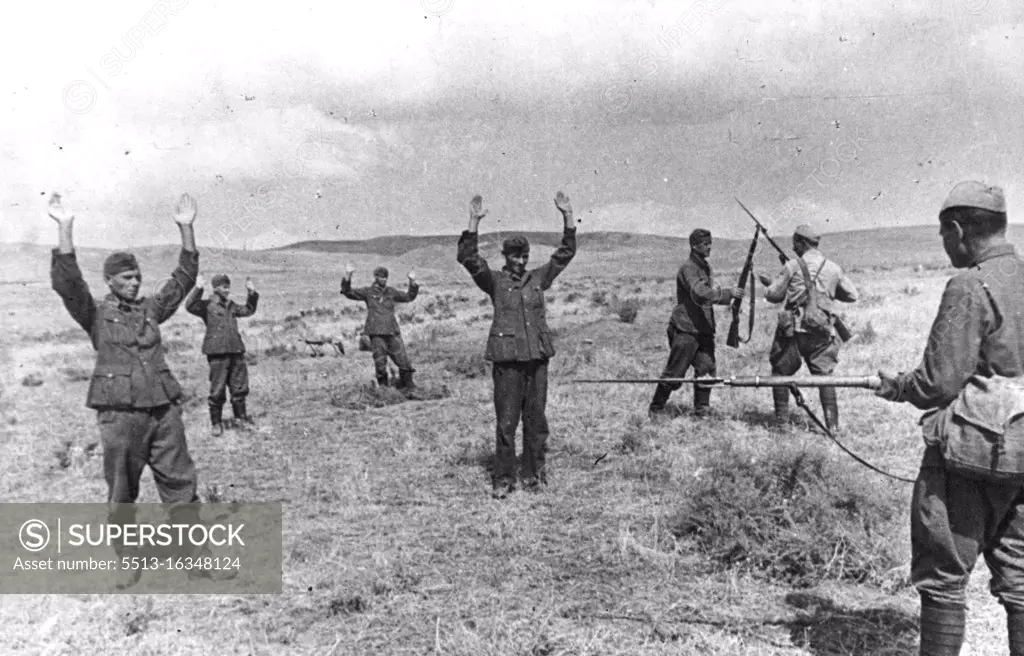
(762, 229)
(869, 382)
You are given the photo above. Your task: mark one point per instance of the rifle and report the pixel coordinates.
(841, 328)
(866, 382)
(733, 339)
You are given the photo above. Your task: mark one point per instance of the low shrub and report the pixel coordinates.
(793, 517)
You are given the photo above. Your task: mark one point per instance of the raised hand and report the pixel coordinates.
(58, 212)
(562, 203)
(200, 281)
(249, 285)
(349, 270)
(412, 277)
(476, 211)
(185, 213)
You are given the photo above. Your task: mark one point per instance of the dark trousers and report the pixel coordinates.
(389, 346)
(954, 520)
(520, 389)
(686, 350)
(131, 440)
(228, 372)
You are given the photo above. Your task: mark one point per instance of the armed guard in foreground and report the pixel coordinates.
(691, 328)
(806, 325)
(223, 346)
(969, 495)
(381, 325)
(136, 397)
(519, 344)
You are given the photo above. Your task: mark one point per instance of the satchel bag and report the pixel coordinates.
(981, 433)
(814, 319)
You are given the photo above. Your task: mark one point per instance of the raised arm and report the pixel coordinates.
(252, 298)
(468, 254)
(410, 295)
(65, 275)
(777, 288)
(172, 293)
(194, 301)
(346, 286)
(566, 250)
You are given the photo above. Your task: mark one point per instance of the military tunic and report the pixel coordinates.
(519, 345)
(381, 324)
(979, 329)
(132, 389)
(222, 344)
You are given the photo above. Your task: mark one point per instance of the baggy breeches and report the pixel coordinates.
(953, 520)
(135, 438)
(820, 353)
(520, 390)
(389, 346)
(228, 372)
(686, 350)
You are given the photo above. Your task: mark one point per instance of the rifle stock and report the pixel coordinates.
(733, 339)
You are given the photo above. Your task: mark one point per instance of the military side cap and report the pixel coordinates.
(381, 271)
(221, 279)
(119, 263)
(972, 193)
(807, 232)
(515, 244)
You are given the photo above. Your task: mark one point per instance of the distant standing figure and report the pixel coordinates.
(794, 341)
(691, 328)
(519, 344)
(382, 326)
(223, 346)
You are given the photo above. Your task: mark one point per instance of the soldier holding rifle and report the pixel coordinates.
(960, 507)
(691, 328)
(806, 327)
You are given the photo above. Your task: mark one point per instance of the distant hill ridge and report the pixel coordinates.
(396, 245)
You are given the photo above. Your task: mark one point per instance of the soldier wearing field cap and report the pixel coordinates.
(977, 336)
(223, 347)
(795, 340)
(519, 344)
(691, 328)
(382, 326)
(136, 397)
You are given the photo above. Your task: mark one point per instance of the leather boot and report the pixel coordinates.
(830, 407)
(780, 397)
(942, 631)
(661, 395)
(701, 401)
(241, 415)
(405, 383)
(1015, 632)
(216, 425)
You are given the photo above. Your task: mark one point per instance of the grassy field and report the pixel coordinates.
(392, 544)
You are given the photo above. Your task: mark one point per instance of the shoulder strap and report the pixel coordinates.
(810, 293)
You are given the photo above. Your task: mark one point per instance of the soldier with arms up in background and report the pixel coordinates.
(223, 346)
(382, 326)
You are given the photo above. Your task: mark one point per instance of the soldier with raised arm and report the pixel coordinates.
(136, 397)
(223, 346)
(519, 344)
(382, 326)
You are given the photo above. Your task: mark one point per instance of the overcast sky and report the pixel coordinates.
(334, 120)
